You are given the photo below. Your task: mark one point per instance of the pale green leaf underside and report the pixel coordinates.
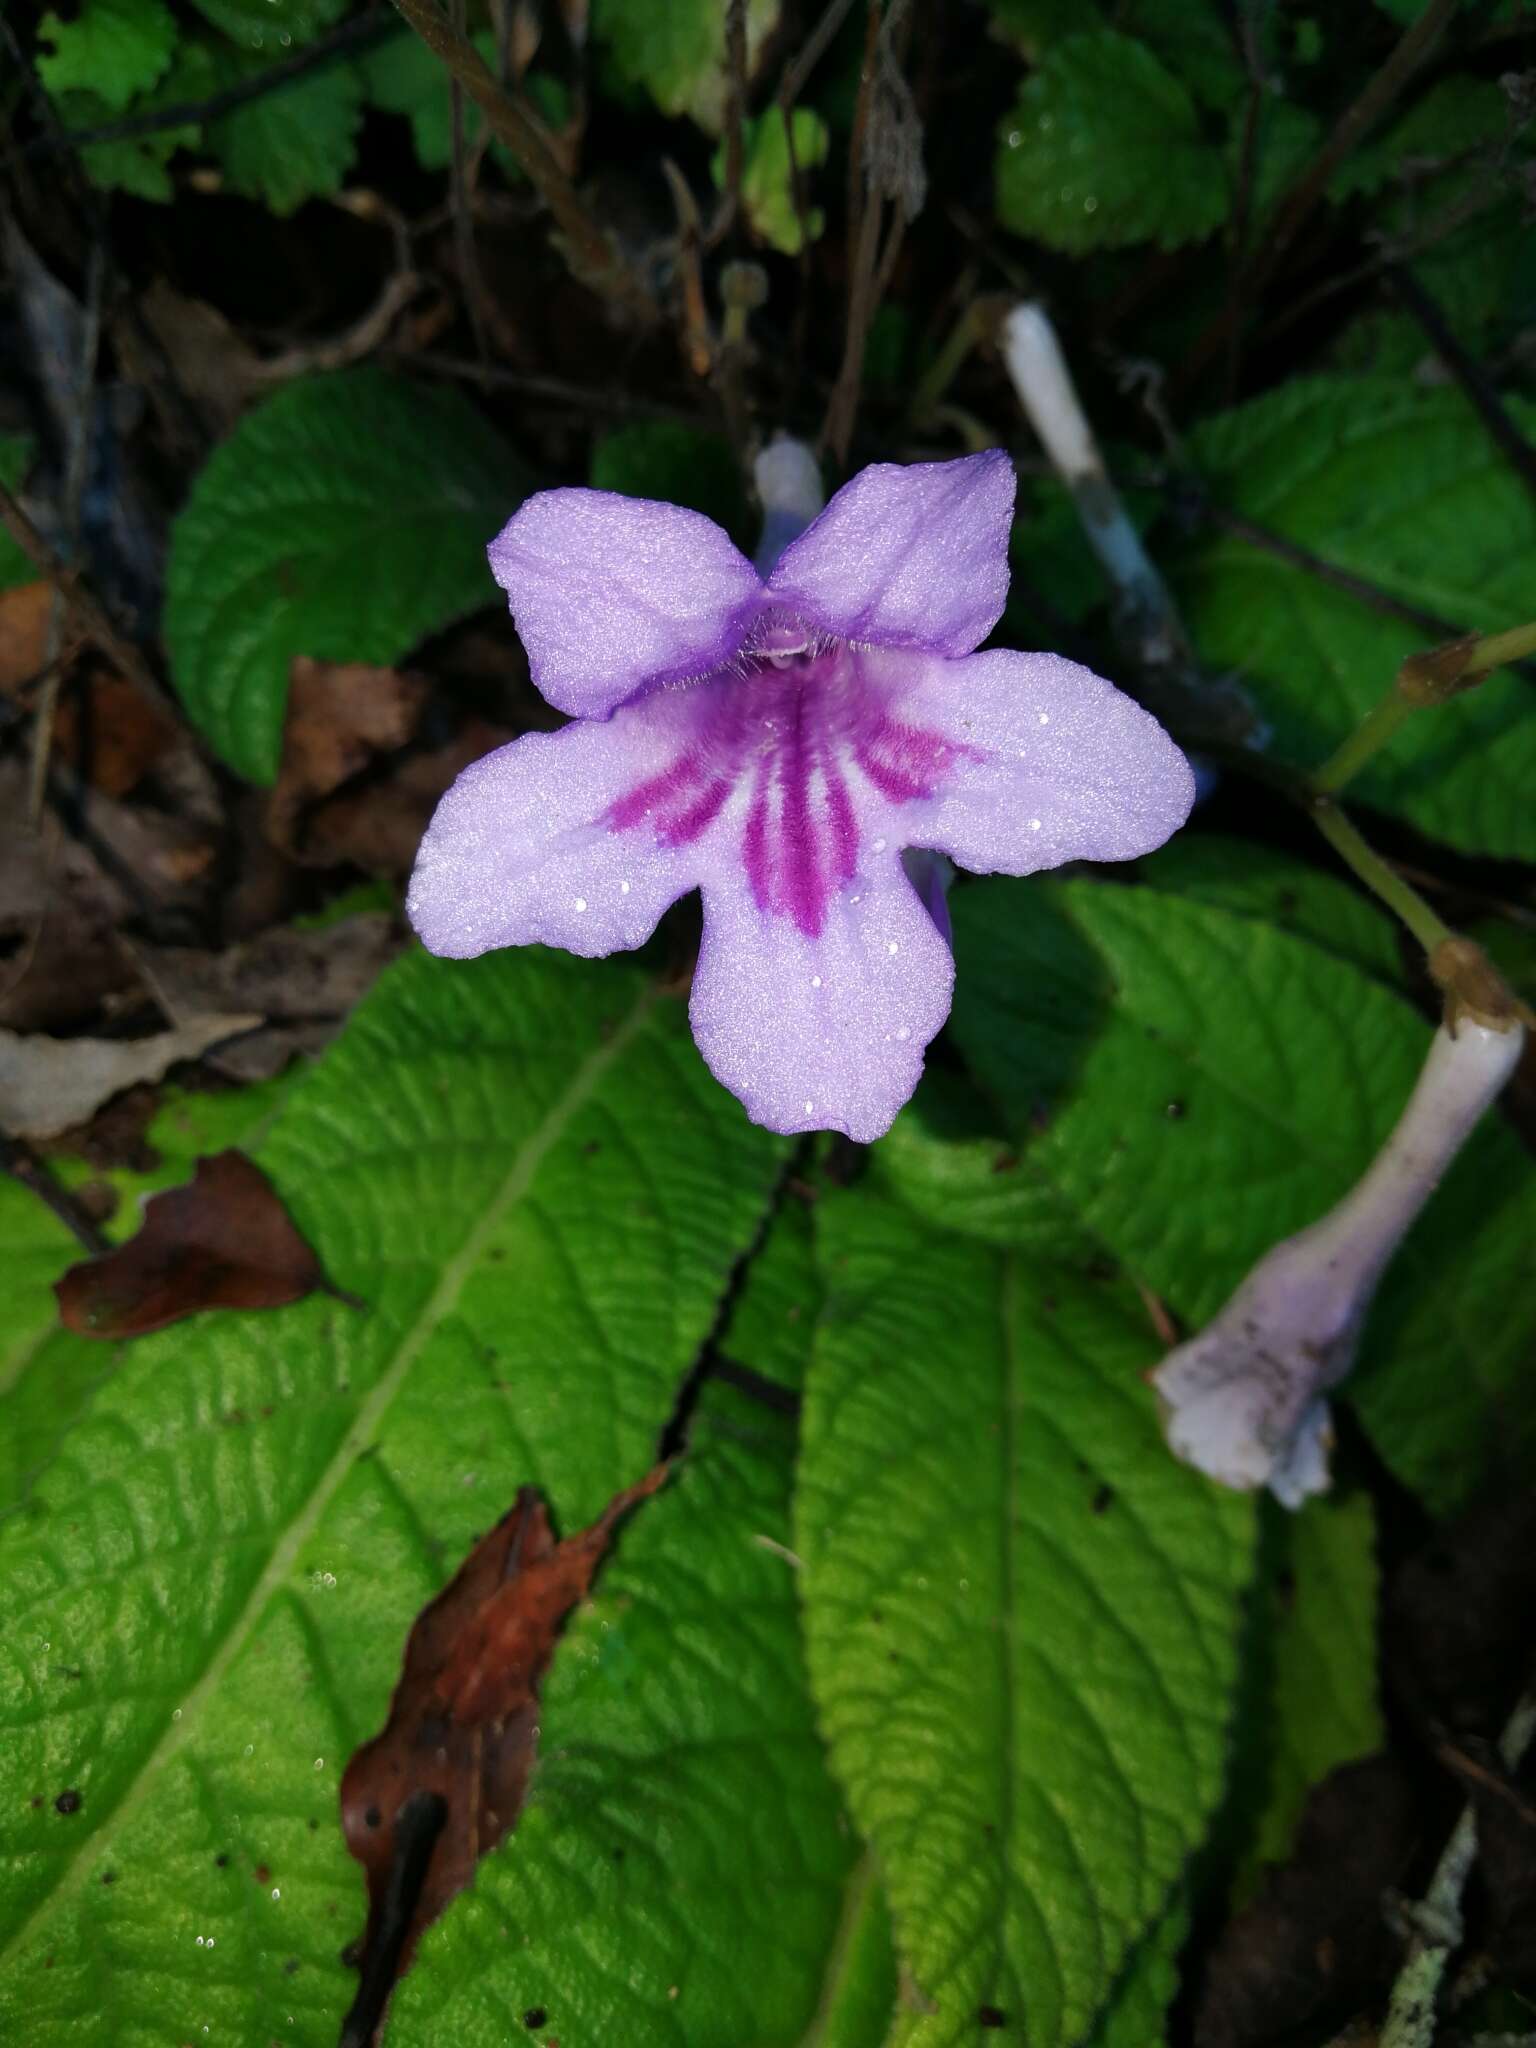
(346, 518)
(681, 1869)
(1403, 488)
(1149, 1051)
(1021, 1619)
(523, 1170)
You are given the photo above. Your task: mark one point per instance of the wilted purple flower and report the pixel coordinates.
(776, 740)
(1243, 1401)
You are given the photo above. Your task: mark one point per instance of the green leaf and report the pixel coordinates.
(684, 465)
(16, 452)
(1020, 1615)
(1193, 1085)
(292, 144)
(115, 49)
(189, 1125)
(1277, 888)
(345, 518)
(273, 25)
(1196, 42)
(675, 50)
(402, 76)
(773, 1318)
(1036, 24)
(628, 1905)
(1319, 1705)
(767, 180)
(521, 1168)
(1137, 2011)
(1402, 487)
(1104, 149)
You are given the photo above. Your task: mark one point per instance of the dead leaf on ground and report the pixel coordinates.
(222, 1241)
(442, 1785)
(341, 715)
(379, 827)
(303, 984)
(24, 615)
(48, 1085)
(110, 732)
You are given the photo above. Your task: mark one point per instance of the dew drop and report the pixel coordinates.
(1034, 824)
(893, 947)
(1045, 718)
(879, 846)
(903, 1035)
(581, 902)
(319, 1763)
(1014, 138)
(1090, 206)
(810, 1108)
(815, 981)
(855, 899)
(277, 1892)
(623, 888)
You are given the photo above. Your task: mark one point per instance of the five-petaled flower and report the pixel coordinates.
(776, 740)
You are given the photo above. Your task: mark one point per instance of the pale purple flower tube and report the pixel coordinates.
(776, 738)
(1244, 1400)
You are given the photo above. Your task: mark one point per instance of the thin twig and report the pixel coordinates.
(460, 205)
(1364, 111)
(23, 1165)
(345, 40)
(1468, 373)
(592, 255)
(735, 115)
(74, 492)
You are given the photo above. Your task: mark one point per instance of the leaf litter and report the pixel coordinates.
(444, 1782)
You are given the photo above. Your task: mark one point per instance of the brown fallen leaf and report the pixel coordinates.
(47, 1085)
(112, 733)
(340, 715)
(444, 1782)
(25, 612)
(223, 1241)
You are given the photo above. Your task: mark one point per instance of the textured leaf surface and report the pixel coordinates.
(1320, 1704)
(291, 144)
(1103, 149)
(768, 175)
(1021, 1620)
(1402, 487)
(1147, 1050)
(113, 48)
(345, 518)
(680, 1867)
(522, 1168)
(1277, 888)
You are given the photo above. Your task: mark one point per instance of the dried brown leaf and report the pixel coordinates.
(340, 716)
(223, 1241)
(48, 1085)
(444, 1782)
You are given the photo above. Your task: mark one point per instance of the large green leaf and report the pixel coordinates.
(682, 1789)
(346, 518)
(1104, 148)
(1021, 1619)
(271, 24)
(773, 1318)
(1403, 488)
(1192, 1085)
(522, 1170)
(1319, 1706)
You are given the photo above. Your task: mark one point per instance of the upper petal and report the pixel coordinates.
(822, 1032)
(1052, 764)
(524, 849)
(610, 593)
(907, 555)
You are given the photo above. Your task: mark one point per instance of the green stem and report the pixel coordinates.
(1356, 852)
(1495, 649)
(1379, 725)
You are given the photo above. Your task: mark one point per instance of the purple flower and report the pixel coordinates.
(776, 741)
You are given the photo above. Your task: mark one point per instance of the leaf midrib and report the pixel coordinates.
(518, 1179)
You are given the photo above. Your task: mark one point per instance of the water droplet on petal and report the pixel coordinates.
(1045, 718)
(623, 888)
(809, 1108)
(815, 981)
(1034, 824)
(879, 846)
(903, 1035)
(893, 947)
(581, 902)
